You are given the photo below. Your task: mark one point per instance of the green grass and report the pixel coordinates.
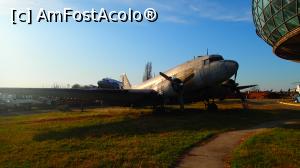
(120, 137)
(278, 147)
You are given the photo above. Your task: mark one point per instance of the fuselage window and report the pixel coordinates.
(206, 62)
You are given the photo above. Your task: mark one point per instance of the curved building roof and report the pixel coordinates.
(278, 23)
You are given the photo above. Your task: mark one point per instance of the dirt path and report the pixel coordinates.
(213, 153)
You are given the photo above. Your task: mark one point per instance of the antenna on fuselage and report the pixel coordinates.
(207, 51)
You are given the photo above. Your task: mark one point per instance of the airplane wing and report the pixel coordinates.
(109, 96)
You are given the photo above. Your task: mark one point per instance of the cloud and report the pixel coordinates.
(166, 9)
(183, 11)
(175, 19)
(216, 11)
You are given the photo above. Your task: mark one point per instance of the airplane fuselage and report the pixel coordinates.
(209, 71)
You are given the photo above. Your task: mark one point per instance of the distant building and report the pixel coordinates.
(277, 23)
(298, 89)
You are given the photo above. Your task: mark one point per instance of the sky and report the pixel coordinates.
(43, 54)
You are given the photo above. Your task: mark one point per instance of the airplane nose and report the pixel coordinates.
(231, 67)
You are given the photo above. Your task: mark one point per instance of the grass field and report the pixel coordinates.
(279, 147)
(121, 137)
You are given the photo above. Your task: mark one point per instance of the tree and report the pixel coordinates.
(76, 86)
(148, 72)
(56, 86)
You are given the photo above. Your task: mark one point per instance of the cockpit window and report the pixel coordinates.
(215, 58)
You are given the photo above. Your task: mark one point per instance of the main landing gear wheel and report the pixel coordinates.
(212, 107)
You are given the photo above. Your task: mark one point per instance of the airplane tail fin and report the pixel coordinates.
(125, 82)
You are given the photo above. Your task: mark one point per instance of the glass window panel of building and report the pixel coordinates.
(275, 18)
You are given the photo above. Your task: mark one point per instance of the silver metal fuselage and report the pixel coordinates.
(207, 74)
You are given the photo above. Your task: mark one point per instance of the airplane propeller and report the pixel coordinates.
(234, 87)
(178, 86)
(237, 89)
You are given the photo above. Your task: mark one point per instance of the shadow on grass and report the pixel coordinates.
(291, 125)
(173, 120)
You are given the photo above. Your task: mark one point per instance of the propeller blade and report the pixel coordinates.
(181, 101)
(243, 99)
(230, 83)
(188, 78)
(245, 87)
(235, 76)
(165, 76)
(178, 85)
